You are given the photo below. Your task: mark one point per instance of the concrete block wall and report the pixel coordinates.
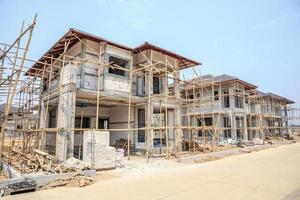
(97, 143)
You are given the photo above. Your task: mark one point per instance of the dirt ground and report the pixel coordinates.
(269, 174)
(2, 176)
(296, 136)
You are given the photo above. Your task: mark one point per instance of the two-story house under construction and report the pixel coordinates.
(96, 92)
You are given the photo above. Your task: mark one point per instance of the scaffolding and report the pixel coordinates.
(25, 89)
(270, 116)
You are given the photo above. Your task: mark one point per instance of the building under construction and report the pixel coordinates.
(87, 97)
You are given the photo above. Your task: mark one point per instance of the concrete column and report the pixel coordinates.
(177, 114)
(42, 123)
(245, 136)
(149, 110)
(81, 67)
(233, 127)
(231, 97)
(163, 84)
(66, 113)
(43, 120)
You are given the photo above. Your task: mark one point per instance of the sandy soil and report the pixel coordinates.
(268, 174)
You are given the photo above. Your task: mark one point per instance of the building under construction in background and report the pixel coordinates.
(88, 97)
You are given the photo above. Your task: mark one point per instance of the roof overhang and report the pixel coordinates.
(71, 37)
(274, 96)
(74, 35)
(184, 62)
(280, 98)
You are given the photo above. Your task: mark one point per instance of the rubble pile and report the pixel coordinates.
(186, 145)
(39, 161)
(74, 181)
(72, 165)
(32, 161)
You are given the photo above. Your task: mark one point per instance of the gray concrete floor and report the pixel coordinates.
(268, 174)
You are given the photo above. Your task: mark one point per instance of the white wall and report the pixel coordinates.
(119, 120)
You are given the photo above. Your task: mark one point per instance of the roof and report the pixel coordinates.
(260, 93)
(275, 96)
(73, 34)
(185, 62)
(288, 101)
(224, 78)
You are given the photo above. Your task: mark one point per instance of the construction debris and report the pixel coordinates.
(271, 142)
(123, 144)
(193, 146)
(39, 161)
(32, 161)
(75, 181)
(257, 141)
(72, 165)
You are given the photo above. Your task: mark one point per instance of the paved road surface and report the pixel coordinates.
(268, 174)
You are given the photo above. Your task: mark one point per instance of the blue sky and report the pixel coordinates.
(256, 40)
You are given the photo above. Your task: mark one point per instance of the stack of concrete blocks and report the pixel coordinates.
(96, 146)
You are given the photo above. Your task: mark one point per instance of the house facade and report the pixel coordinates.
(91, 86)
(269, 115)
(218, 108)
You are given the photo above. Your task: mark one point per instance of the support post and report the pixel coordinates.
(177, 114)
(66, 113)
(149, 108)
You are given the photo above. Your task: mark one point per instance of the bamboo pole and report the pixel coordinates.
(2, 65)
(194, 113)
(98, 86)
(8, 106)
(47, 104)
(203, 118)
(81, 123)
(212, 108)
(166, 108)
(160, 124)
(40, 106)
(129, 111)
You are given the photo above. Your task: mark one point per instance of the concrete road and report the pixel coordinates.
(268, 174)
